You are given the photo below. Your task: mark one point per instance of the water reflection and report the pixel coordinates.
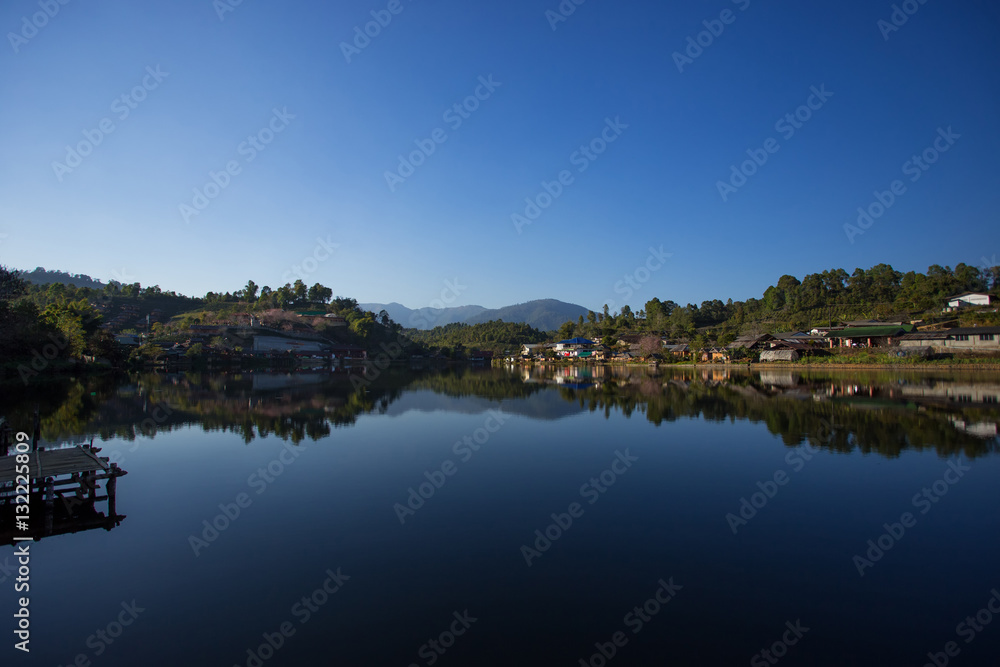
(883, 412)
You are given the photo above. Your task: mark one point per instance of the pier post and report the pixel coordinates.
(36, 430)
(49, 496)
(112, 489)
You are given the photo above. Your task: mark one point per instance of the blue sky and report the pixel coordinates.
(321, 179)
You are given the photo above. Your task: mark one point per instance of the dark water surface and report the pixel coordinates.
(693, 517)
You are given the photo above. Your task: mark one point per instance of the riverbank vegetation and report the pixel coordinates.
(51, 320)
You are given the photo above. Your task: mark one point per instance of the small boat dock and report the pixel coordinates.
(64, 487)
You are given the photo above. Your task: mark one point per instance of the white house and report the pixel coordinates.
(968, 299)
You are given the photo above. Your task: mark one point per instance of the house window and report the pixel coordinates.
(961, 336)
(986, 337)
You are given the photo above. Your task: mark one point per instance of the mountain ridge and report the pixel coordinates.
(543, 314)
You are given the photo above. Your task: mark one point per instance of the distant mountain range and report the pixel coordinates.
(543, 314)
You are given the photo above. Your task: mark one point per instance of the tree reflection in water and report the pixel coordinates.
(882, 412)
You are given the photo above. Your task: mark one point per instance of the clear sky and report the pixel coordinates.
(201, 78)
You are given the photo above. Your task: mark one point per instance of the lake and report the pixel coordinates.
(509, 516)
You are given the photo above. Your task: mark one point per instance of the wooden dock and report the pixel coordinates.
(55, 462)
(63, 489)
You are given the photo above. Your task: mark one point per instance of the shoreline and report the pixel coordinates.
(907, 367)
(921, 367)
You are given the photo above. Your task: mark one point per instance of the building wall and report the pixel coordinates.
(779, 355)
(278, 344)
(974, 343)
(935, 343)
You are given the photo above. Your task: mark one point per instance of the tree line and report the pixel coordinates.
(819, 299)
(43, 326)
(496, 336)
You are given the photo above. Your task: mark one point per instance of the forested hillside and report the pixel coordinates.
(495, 336)
(819, 299)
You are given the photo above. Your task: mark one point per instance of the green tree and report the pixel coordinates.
(249, 293)
(299, 292)
(698, 343)
(774, 299)
(320, 294)
(12, 286)
(362, 325)
(103, 345)
(566, 330)
(283, 296)
(74, 321)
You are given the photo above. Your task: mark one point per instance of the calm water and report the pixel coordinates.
(682, 518)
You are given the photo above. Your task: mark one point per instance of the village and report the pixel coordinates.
(915, 340)
(961, 327)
